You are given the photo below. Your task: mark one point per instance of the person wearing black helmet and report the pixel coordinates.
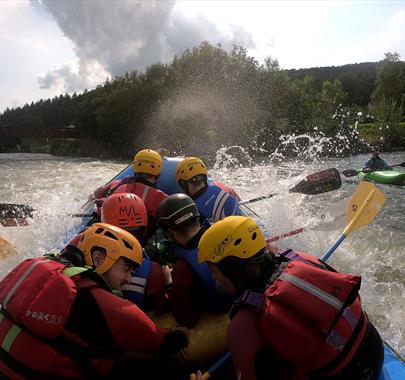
(193, 284)
(376, 162)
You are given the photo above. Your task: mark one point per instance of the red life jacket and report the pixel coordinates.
(103, 191)
(312, 317)
(152, 197)
(36, 299)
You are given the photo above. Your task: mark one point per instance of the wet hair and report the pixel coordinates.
(73, 255)
(253, 273)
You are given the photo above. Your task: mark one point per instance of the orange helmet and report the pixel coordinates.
(114, 240)
(124, 210)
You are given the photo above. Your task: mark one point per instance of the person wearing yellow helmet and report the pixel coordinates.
(212, 201)
(294, 315)
(69, 322)
(147, 167)
(193, 288)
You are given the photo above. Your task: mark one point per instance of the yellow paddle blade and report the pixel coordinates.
(363, 207)
(6, 248)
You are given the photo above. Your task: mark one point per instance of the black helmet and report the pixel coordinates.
(176, 211)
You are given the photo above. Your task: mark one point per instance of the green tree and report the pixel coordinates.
(388, 116)
(332, 98)
(390, 81)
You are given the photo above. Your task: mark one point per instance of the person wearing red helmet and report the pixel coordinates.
(60, 319)
(147, 286)
(127, 211)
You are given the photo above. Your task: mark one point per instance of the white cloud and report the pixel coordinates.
(74, 76)
(30, 44)
(122, 36)
(87, 40)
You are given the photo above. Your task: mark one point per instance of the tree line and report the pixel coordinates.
(208, 97)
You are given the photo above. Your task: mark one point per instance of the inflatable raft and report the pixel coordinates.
(388, 177)
(394, 366)
(208, 339)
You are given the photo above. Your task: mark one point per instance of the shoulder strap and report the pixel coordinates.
(123, 182)
(247, 298)
(74, 271)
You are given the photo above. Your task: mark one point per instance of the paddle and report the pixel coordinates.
(363, 207)
(6, 248)
(317, 183)
(12, 214)
(353, 172)
(214, 368)
(285, 234)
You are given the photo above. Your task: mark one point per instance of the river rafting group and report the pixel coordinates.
(169, 275)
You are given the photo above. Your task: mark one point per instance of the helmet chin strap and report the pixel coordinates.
(146, 181)
(184, 185)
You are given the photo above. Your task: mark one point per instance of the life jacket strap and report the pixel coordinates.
(247, 298)
(346, 349)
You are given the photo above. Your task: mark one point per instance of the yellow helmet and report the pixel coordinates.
(237, 236)
(116, 242)
(189, 168)
(148, 161)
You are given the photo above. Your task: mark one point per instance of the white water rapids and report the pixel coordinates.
(58, 186)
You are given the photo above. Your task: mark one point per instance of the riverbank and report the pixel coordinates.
(388, 139)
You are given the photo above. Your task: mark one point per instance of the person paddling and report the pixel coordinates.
(213, 202)
(376, 162)
(295, 317)
(60, 317)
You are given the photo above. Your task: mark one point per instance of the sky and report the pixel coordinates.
(49, 47)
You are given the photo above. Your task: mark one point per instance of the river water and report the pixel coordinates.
(59, 186)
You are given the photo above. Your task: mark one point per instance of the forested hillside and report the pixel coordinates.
(358, 80)
(207, 98)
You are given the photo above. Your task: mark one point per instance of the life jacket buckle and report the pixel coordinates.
(253, 299)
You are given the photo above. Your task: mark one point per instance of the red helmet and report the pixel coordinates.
(124, 210)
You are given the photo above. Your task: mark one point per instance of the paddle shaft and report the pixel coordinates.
(241, 203)
(286, 234)
(332, 249)
(214, 368)
(393, 166)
